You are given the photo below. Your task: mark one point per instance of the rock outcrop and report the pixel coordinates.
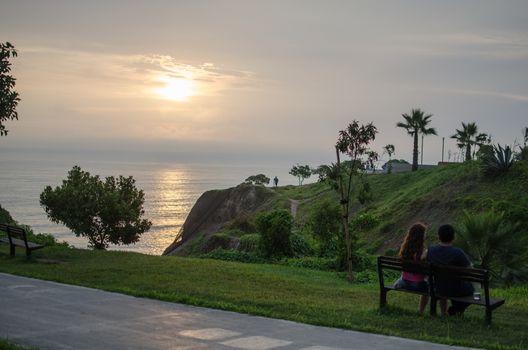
(214, 209)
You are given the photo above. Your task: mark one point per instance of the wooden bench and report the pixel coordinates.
(433, 273)
(16, 237)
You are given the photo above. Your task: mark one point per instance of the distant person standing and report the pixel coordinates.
(276, 181)
(445, 254)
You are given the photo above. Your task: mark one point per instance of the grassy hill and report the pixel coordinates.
(433, 196)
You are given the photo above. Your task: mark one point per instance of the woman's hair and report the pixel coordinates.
(413, 244)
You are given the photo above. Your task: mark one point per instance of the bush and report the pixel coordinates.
(300, 246)
(498, 162)
(218, 240)
(233, 255)
(495, 244)
(275, 231)
(244, 223)
(311, 262)
(324, 223)
(249, 243)
(364, 222)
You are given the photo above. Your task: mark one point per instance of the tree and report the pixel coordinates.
(495, 244)
(390, 151)
(259, 179)
(301, 172)
(468, 137)
(105, 212)
(353, 141)
(324, 223)
(8, 96)
(275, 231)
(415, 123)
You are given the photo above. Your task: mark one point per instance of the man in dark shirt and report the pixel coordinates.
(445, 254)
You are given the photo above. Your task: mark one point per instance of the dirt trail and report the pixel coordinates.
(294, 204)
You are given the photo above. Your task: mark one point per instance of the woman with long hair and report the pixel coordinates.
(413, 248)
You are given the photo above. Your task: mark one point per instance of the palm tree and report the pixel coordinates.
(415, 124)
(468, 136)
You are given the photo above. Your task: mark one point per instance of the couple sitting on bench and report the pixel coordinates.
(442, 254)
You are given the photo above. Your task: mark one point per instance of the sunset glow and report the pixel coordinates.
(176, 89)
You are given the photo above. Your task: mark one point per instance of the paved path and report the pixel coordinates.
(50, 315)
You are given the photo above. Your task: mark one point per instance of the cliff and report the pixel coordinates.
(217, 208)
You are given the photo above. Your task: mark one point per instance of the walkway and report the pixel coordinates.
(49, 315)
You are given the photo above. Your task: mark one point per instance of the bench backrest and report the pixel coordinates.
(397, 264)
(17, 232)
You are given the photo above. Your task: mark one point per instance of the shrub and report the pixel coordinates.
(259, 179)
(249, 243)
(495, 244)
(275, 231)
(300, 246)
(233, 255)
(244, 223)
(311, 262)
(364, 222)
(324, 223)
(218, 240)
(498, 162)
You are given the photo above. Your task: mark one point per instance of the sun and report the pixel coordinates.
(176, 89)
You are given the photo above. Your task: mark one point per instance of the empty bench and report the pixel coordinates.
(433, 273)
(17, 237)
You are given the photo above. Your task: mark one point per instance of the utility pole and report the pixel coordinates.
(421, 155)
(443, 140)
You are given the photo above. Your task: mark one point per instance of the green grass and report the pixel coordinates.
(309, 296)
(8, 345)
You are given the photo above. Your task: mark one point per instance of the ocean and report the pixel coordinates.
(170, 192)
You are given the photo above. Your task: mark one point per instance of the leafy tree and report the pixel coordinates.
(469, 137)
(8, 96)
(495, 244)
(353, 141)
(324, 223)
(105, 212)
(416, 123)
(275, 231)
(390, 151)
(301, 172)
(259, 179)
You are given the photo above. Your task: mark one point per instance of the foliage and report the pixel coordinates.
(301, 172)
(104, 212)
(364, 221)
(215, 241)
(354, 142)
(311, 262)
(8, 96)
(259, 179)
(495, 244)
(244, 223)
(275, 231)
(300, 245)
(234, 255)
(249, 243)
(389, 149)
(468, 137)
(324, 221)
(5, 217)
(499, 162)
(523, 153)
(416, 123)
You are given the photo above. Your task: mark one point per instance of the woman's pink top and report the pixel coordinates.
(413, 277)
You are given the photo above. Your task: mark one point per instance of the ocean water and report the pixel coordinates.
(170, 192)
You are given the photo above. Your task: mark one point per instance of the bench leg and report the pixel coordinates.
(383, 297)
(432, 305)
(12, 250)
(488, 316)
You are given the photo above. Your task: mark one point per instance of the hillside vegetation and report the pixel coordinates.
(433, 196)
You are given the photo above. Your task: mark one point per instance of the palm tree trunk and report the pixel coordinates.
(415, 152)
(468, 152)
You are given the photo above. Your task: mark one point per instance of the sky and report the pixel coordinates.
(260, 81)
